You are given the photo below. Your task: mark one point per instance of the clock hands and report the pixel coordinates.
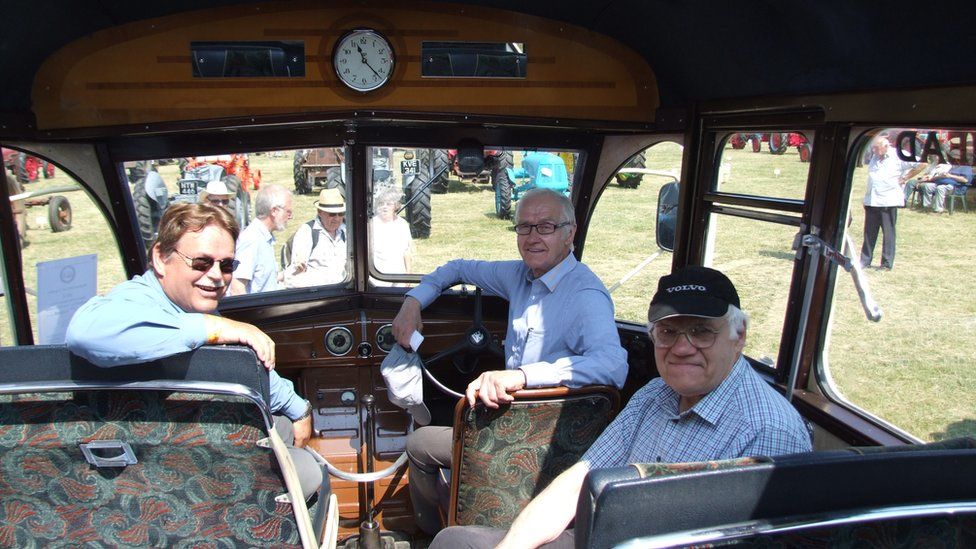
(366, 61)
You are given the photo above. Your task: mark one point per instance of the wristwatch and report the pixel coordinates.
(308, 411)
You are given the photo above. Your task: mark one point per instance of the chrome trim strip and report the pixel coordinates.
(204, 387)
(733, 532)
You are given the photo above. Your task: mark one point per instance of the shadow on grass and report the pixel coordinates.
(456, 186)
(962, 428)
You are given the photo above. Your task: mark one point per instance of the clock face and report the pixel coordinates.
(363, 60)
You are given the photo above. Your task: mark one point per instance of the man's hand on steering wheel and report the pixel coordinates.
(493, 387)
(407, 321)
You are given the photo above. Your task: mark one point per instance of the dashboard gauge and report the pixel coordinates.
(363, 60)
(384, 338)
(338, 340)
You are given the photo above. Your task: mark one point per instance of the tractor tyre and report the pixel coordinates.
(20, 169)
(737, 141)
(418, 208)
(302, 183)
(333, 180)
(756, 143)
(805, 150)
(59, 214)
(633, 180)
(778, 142)
(435, 165)
(503, 195)
(146, 215)
(48, 170)
(503, 161)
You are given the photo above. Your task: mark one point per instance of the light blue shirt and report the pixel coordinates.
(136, 322)
(561, 329)
(743, 416)
(255, 252)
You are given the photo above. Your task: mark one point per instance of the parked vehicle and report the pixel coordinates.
(538, 170)
(26, 168)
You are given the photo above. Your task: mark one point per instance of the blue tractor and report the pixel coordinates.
(539, 170)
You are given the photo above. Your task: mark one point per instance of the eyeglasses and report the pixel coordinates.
(700, 337)
(204, 264)
(330, 214)
(541, 228)
(219, 201)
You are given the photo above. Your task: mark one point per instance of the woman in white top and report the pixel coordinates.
(390, 236)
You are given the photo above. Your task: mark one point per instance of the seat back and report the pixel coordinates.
(504, 457)
(181, 460)
(712, 496)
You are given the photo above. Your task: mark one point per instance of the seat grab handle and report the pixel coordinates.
(108, 453)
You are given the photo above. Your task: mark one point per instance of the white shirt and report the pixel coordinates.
(884, 188)
(391, 244)
(326, 264)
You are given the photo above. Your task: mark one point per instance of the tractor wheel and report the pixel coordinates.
(777, 142)
(737, 141)
(633, 180)
(146, 216)
(805, 150)
(59, 214)
(48, 170)
(20, 169)
(756, 143)
(418, 209)
(503, 161)
(333, 180)
(302, 183)
(434, 162)
(503, 195)
(240, 205)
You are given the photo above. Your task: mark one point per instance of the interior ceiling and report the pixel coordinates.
(699, 49)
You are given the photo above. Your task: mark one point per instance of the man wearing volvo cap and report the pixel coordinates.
(708, 404)
(319, 249)
(561, 329)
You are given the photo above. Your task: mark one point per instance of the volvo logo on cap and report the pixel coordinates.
(687, 288)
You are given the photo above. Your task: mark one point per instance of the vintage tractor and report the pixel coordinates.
(318, 168)
(496, 162)
(26, 168)
(539, 170)
(778, 142)
(632, 179)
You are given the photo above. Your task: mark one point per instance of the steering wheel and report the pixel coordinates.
(477, 340)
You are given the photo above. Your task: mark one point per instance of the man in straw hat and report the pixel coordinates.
(708, 404)
(216, 194)
(318, 251)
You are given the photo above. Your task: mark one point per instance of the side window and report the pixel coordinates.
(428, 206)
(298, 197)
(913, 368)
(68, 250)
(752, 242)
(621, 244)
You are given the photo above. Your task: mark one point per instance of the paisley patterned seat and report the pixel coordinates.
(504, 457)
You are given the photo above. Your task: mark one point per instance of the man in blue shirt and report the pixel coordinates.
(561, 329)
(257, 270)
(934, 192)
(708, 404)
(172, 308)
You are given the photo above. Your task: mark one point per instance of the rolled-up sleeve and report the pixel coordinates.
(284, 399)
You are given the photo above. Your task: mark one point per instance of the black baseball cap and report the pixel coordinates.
(692, 291)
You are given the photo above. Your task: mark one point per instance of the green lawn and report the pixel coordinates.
(915, 368)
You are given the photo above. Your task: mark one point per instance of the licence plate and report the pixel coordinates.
(409, 166)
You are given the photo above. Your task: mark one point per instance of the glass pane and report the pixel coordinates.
(312, 246)
(620, 243)
(453, 206)
(757, 257)
(66, 232)
(914, 368)
(766, 164)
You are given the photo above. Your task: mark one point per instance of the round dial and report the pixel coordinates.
(363, 60)
(338, 340)
(384, 338)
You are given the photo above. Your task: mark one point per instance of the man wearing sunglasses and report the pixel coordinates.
(708, 404)
(172, 308)
(217, 194)
(561, 329)
(319, 249)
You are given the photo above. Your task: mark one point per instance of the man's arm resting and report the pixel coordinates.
(549, 513)
(222, 330)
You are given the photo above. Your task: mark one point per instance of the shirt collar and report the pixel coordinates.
(340, 232)
(263, 230)
(552, 278)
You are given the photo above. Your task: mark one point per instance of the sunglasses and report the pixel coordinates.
(204, 264)
(219, 201)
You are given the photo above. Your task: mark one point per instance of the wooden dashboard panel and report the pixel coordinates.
(141, 73)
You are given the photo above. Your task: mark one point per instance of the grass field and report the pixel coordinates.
(915, 369)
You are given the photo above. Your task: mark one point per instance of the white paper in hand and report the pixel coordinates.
(415, 340)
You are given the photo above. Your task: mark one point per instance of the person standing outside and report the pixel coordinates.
(257, 270)
(390, 238)
(319, 248)
(884, 195)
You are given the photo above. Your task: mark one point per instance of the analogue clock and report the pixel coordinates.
(363, 60)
